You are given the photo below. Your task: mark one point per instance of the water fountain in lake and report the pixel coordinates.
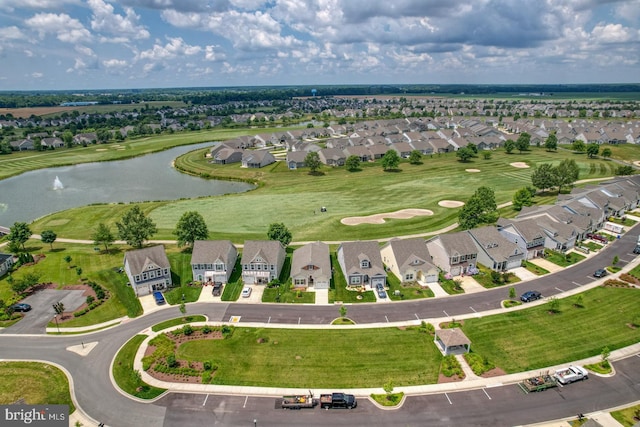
(57, 184)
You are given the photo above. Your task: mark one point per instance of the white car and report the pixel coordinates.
(246, 292)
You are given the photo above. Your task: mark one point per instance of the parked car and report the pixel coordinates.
(636, 250)
(530, 296)
(601, 272)
(217, 289)
(157, 295)
(21, 306)
(246, 292)
(597, 238)
(381, 291)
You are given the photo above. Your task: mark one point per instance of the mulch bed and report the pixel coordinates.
(454, 379)
(178, 340)
(495, 372)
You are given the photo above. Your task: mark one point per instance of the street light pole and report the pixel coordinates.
(255, 422)
(56, 318)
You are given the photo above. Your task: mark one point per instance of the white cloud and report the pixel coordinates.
(114, 63)
(611, 33)
(174, 48)
(106, 21)
(66, 28)
(11, 33)
(213, 53)
(37, 75)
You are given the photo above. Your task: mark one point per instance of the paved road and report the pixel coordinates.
(98, 398)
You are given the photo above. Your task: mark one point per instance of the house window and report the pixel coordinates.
(145, 276)
(408, 276)
(273, 267)
(454, 260)
(152, 274)
(365, 263)
(219, 267)
(245, 267)
(259, 267)
(300, 282)
(137, 278)
(253, 267)
(354, 280)
(166, 272)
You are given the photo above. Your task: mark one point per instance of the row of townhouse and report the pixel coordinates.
(364, 263)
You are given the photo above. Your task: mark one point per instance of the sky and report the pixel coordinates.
(120, 44)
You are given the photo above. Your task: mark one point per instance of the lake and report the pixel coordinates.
(31, 195)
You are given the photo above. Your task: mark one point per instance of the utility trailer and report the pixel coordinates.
(538, 383)
(299, 401)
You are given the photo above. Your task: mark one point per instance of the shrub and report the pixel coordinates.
(206, 365)
(451, 367)
(206, 329)
(171, 361)
(187, 330)
(90, 299)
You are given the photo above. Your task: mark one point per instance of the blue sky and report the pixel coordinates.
(108, 44)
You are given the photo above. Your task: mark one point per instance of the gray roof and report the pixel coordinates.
(142, 259)
(527, 228)
(315, 254)
(411, 253)
(209, 251)
(355, 252)
(459, 243)
(494, 243)
(452, 337)
(271, 251)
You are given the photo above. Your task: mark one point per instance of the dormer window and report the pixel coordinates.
(365, 263)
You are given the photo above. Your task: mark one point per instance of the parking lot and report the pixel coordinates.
(42, 312)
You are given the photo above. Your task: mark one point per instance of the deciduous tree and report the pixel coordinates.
(312, 160)
(278, 231)
(509, 146)
(19, 234)
(543, 177)
(48, 237)
(465, 153)
(523, 142)
(103, 236)
(521, 198)
(390, 160)
(191, 227)
(551, 143)
(352, 163)
(415, 158)
(135, 227)
(566, 173)
(592, 150)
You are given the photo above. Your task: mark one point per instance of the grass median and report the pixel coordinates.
(126, 377)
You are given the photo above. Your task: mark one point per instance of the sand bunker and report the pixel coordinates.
(472, 170)
(521, 165)
(450, 203)
(379, 218)
(101, 149)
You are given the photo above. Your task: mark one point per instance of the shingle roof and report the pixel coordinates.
(141, 259)
(208, 251)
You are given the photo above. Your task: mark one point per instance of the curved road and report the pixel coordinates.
(496, 406)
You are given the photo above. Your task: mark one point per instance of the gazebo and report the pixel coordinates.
(452, 341)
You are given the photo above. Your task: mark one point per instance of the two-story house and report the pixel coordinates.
(454, 253)
(525, 233)
(213, 260)
(495, 251)
(361, 263)
(409, 260)
(262, 261)
(311, 266)
(148, 269)
(6, 261)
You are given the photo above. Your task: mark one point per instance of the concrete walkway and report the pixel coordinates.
(470, 285)
(322, 296)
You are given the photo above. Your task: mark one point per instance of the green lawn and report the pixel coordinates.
(627, 417)
(290, 357)
(407, 290)
(533, 338)
(539, 271)
(96, 266)
(485, 278)
(34, 383)
(563, 260)
(339, 291)
(177, 321)
(124, 375)
(297, 196)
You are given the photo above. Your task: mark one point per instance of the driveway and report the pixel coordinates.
(42, 312)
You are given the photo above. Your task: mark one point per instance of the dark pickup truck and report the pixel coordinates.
(338, 400)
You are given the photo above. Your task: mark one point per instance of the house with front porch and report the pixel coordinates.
(409, 260)
(6, 262)
(526, 233)
(213, 261)
(361, 263)
(495, 251)
(454, 253)
(296, 159)
(311, 266)
(262, 261)
(148, 269)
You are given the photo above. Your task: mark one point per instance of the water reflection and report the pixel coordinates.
(32, 195)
